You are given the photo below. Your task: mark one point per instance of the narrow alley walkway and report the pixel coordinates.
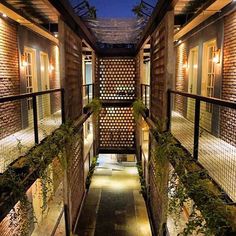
(114, 205)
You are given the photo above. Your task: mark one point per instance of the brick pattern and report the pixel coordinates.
(117, 78)
(158, 71)
(116, 127)
(73, 73)
(158, 190)
(76, 185)
(10, 118)
(228, 116)
(180, 77)
(54, 79)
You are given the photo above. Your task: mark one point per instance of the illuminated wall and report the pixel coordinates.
(10, 120)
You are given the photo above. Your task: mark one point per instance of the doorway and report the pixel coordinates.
(208, 81)
(192, 81)
(31, 79)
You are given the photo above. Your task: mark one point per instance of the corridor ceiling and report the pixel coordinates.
(116, 31)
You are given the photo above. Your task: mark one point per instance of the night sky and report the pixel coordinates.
(114, 8)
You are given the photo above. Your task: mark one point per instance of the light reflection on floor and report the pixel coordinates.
(114, 197)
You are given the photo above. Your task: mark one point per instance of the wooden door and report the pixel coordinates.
(31, 79)
(208, 81)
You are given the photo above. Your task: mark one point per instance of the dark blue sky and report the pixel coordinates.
(115, 8)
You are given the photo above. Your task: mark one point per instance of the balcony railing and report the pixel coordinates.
(206, 127)
(88, 93)
(145, 95)
(26, 119)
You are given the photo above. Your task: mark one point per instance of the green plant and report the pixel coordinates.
(138, 109)
(142, 181)
(189, 181)
(95, 106)
(90, 173)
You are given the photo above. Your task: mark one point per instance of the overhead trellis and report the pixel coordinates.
(116, 31)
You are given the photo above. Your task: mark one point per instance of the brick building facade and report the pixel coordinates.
(10, 119)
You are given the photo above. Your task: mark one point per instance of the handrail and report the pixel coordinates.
(27, 95)
(215, 101)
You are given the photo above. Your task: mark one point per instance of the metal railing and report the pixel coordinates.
(88, 93)
(206, 127)
(26, 119)
(145, 95)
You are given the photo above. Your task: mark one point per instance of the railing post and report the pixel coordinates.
(168, 110)
(35, 114)
(196, 129)
(67, 224)
(87, 91)
(145, 95)
(141, 92)
(63, 117)
(93, 91)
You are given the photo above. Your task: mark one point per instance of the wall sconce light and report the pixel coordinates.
(51, 68)
(56, 35)
(24, 63)
(4, 15)
(216, 58)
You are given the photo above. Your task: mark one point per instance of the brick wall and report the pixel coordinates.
(10, 113)
(158, 172)
(180, 76)
(117, 78)
(228, 116)
(54, 78)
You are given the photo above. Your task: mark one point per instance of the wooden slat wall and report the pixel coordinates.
(72, 74)
(162, 66)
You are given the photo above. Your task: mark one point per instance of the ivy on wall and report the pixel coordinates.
(210, 215)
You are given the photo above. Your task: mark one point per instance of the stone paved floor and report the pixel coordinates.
(216, 155)
(20, 142)
(114, 205)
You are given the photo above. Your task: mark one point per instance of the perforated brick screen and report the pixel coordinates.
(117, 78)
(116, 127)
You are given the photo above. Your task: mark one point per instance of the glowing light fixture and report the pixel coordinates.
(216, 58)
(56, 35)
(4, 15)
(51, 68)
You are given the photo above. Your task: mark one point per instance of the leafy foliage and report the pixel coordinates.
(138, 109)
(95, 105)
(189, 181)
(90, 173)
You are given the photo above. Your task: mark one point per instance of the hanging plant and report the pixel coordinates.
(138, 109)
(190, 181)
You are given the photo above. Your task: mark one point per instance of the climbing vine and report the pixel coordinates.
(35, 163)
(90, 173)
(188, 181)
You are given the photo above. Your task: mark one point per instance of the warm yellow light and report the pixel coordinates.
(42, 68)
(56, 35)
(24, 63)
(4, 15)
(51, 68)
(216, 58)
